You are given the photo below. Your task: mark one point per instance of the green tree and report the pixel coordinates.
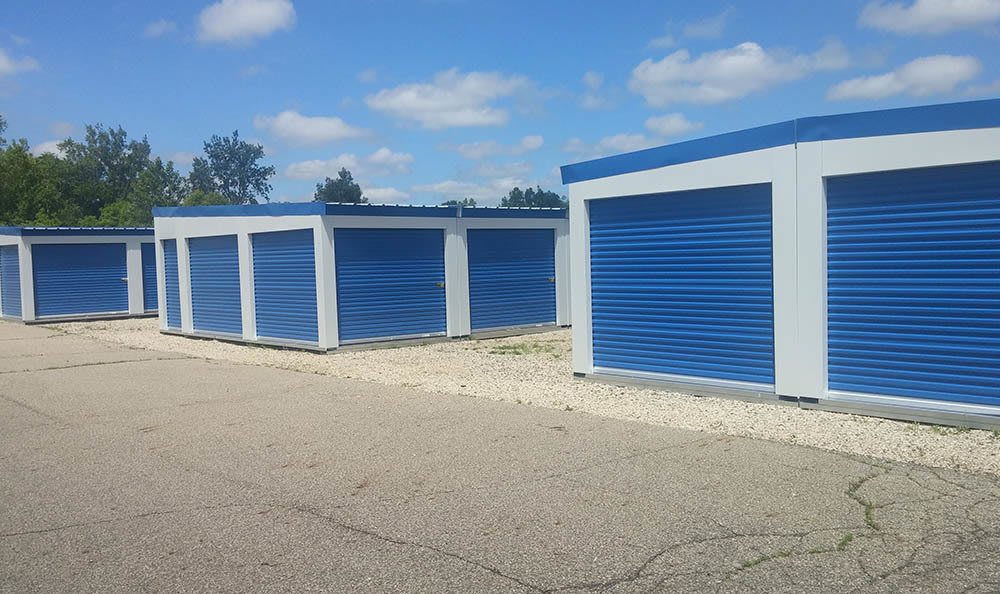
(463, 202)
(200, 177)
(103, 167)
(29, 189)
(235, 172)
(536, 197)
(158, 185)
(342, 189)
(203, 198)
(3, 128)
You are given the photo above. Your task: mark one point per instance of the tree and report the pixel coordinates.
(29, 189)
(536, 197)
(203, 198)
(3, 127)
(158, 185)
(234, 170)
(463, 202)
(342, 189)
(103, 167)
(200, 177)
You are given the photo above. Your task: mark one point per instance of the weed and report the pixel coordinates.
(758, 560)
(843, 542)
(996, 434)
(523, 348)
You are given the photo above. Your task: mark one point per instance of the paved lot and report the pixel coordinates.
(128, 470)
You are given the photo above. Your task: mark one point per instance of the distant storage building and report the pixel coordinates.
(65, 273)
(848, 262)
(320, 276)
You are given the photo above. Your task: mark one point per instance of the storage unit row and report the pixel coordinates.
(54, 273)
(322, 275)
(849, 262)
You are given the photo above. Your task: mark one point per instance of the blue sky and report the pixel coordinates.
(430, 100)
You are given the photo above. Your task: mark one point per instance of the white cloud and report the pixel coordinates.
(19, 40)
(666, 41)
(384, 195)
(451, 99)
(236, 21)
(159, 28)
(710, 28)
(609, 145)
(181, 158)
(728, 74)
(49, 146)
(491, 148)
(593, 98)
(931, 75)
(929, 17)
(671, 124)
(368, 75)
(300, 130)
(10, 65)
(518, 169)
(986, 90)
(381, 162)
(593, 79)
(61, 129)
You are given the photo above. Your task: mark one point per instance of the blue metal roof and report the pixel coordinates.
(908, 120)
(276, 209)
(74, 231)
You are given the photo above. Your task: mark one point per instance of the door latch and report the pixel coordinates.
(439, 284)
(552, 279)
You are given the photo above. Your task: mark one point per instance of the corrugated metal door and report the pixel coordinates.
(511, 277)
(215, 284)
(149, 298)
(914, 283)
(10, 281)
(171, 281)
(390, 283)
(79, 278)
(284, 282)
(681, 284)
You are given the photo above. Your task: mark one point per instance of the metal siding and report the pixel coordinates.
(10, 281)
(284, 277)
(149, 296)
(215, 284)
(79, 278)
(681, 283)
(387, 282)
(171, 281)
(511, 277)
(914, 283)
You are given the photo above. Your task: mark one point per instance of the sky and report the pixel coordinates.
(431, 100)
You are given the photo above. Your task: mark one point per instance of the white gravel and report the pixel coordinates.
(535, 370)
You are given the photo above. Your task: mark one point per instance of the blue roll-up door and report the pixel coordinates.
(284, 285)
(215, 284)
(914, 283)
(390, 283)
(681, 284)
(172, 285)
(10, 281)
(79, 279)
(149, 300)
(511, 277)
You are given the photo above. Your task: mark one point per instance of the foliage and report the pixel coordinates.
(234, 170)
(342, 189)
(533, 197)
(463, 202)
(203, 198)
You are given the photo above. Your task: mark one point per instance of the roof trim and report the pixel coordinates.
(75, 231)
(277, 209)
(966, 115)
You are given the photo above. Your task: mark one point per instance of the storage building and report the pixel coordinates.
(847, 262)
(318, 276)
(65, 273)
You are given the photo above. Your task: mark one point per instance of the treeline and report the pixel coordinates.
(109, 180)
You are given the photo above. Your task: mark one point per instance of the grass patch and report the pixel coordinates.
(852, 492)
(764, 558)
(524, 348)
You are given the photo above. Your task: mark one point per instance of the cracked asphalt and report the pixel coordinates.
(128, 470)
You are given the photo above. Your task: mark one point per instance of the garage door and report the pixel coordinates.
(215, 284)
(10, 282)
(149, 300)
(914, 283)
(511, 277)
(79, 279)
(390, 283)
(171, 282)
(681, 284)
(284, 284)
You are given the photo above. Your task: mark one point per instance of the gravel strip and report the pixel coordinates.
(535, 370)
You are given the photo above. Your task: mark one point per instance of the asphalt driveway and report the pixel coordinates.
(132, 470)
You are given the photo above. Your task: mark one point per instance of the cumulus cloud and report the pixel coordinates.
(159, 28)
(710, 28)
(49, 146)
(300, 130)
(671, 124)
(609, 145)
(931, 75)
(728, 74)
(929, 17)
(381, 162)
(451, 99)
(665, 41)
(181, 158)
(61, 129)
(10, 65)
(240, 21)
(491, 148)
(384, 195)
(593, 97)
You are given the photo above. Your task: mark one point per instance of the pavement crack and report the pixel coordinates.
(122, 519)
(407, 543)
(94, 364)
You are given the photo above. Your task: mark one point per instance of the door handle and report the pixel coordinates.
(124, 279)
(439, 284)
